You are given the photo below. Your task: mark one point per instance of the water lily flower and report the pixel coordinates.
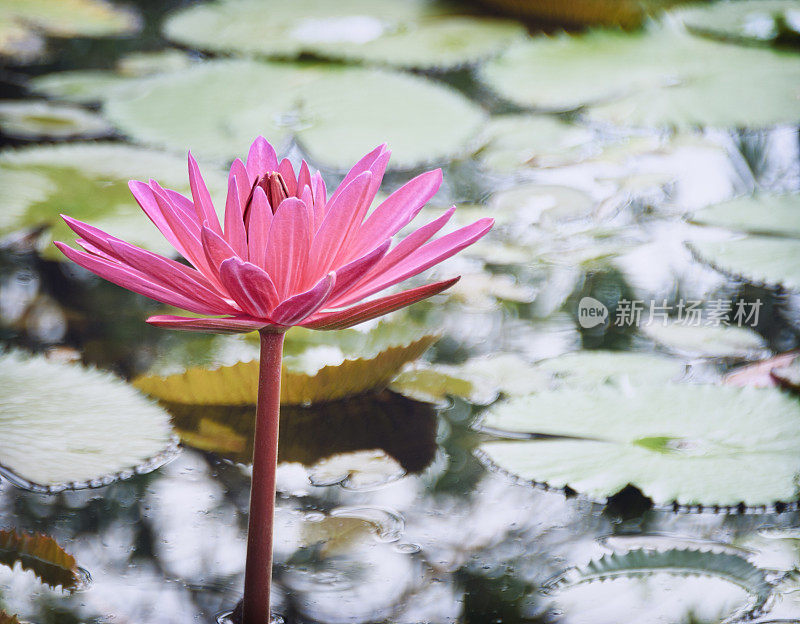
(286, 254)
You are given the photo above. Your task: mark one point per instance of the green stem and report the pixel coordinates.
(258, 569)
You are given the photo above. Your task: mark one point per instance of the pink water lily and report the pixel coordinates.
(287, 253)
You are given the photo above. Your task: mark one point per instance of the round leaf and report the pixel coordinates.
(777, 215)
(35, 119)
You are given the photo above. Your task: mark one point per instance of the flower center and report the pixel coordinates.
(274, 186)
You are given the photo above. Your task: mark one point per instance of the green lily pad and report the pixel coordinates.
(86, 86)
(688, 444)
(337, 113)
(549, 206)
(407, 34)
(517, 141)
(743, 20)
(639, 566)
(24, 20)
(656, 78)
(26, 119)
(721, 341)
(89, 182)
(777, 215)
(139, 64)
(65, 426)
(589, 369)
(754, 259)
(315, 370)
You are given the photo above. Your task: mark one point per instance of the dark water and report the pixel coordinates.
(385, 511)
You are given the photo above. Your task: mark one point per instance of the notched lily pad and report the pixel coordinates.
(314, 370)
(717, 341)
(89, 182)
(28, 119)
(760, 260)
(65, 426)
(336, 113)
(760, 21)
(24, 21)
(646, 563)
(657, 78)
(775, 215)
(711, 446)
(43, 556)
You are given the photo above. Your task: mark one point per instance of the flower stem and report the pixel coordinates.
(258, 569)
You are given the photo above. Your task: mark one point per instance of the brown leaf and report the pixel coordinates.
(5, 618)
(41, 555)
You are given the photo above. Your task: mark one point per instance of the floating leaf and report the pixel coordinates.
(80, 86)
(336, 113)
(636, 564)
(777, 215)
(478, 380)
(754, 259)
(759, 374)
(719, 341)
(589, 369)
(65, 426)
(691, 444)
(549, 206)
(404, 429)
(89, 182)
(36, 119)
(743, 20)
(22, 20)
(392, 33)
(148, 63)
(516, 141)
(656, 78)
(317, 372)
(41, 555)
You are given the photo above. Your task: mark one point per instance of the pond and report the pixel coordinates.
(597, 424)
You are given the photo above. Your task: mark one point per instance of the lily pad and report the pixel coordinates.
(36, 119)
(546, 205)
(139, 64)
(721, 341)
(743, 20)
(24, 20)
(713, 446)
(645, 564)
(407, 34)
(65, 426)
(89, 182)
(323, 370)
(515, 141)
(337, 113)
(87, 86)
(754, 259)
(42, 555)
(655, 78)
(777, 215)
(590, 369)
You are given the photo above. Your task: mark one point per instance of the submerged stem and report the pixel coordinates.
(258, 569)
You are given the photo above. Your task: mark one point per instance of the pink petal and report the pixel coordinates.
(259, 220)
(320, 197)
(216, 249)
(351, 273)
(342, 319)
(340, 217)
(249, 286)
(397, 211)
(303, 178)
(287, 172)
(225, 325)
(261, 159)
(235, 233)
(202, 198)
(183, 203)
(287, 248)
(419, 260)
(146, 198)
(360, 167)
(134, 280)
(92, 249)
(296, 308)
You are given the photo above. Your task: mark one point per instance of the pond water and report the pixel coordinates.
(392, 508)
